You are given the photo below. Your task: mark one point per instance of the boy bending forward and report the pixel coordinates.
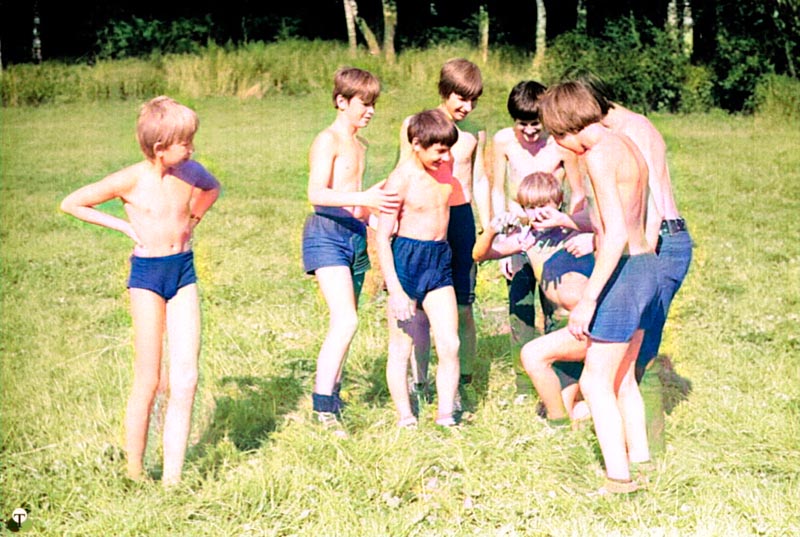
(417, 263)
(165, 197)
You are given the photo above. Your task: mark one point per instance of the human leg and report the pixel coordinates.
(336, 285)
(400, 346)
(631, 405)
(183, 338)
(444, 324)
(148, 311)
(538, 357)
(673, 261)
(521, 314)
(597, 384)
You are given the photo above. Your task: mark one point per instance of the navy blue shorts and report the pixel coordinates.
(334, 239)
(422, 266)
(563, 262)
(628, 300)
(461, 237)
(162, 275)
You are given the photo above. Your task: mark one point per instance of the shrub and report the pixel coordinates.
(778, 97)
(697, 90)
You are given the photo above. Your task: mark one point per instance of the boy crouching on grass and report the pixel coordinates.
(416, 264)
(335, 234)
(165, 197)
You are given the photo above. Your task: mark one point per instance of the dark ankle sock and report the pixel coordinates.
(324, 403)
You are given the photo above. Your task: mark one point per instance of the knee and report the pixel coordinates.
(532, 360)
(184, 387)
(345, 324)
(447, 346)
(146, 384)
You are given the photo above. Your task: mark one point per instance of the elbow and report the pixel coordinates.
(66, 206)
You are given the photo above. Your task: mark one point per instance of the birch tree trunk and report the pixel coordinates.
(541, 36)
(389, 26)
(351, 26)
(483, 31)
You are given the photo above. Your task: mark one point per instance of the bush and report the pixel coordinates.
(697, 90)
(778, 97)
(139, 37)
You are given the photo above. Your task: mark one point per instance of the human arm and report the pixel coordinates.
(652, 223)
(206, 188)
(493, 245)
(580, 245)
(401, 307)
(81, 203)
(572, 174)
(498, 167)
(405, 145)
(481, 186)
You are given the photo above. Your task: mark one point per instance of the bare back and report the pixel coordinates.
(651, 144)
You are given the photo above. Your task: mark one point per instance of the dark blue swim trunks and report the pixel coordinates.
(422, 266)
(628, 300)
(461, 237)
(332, 237)
(162, 275)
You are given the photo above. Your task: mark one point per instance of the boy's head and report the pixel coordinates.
(432, 127)
(599, 89)
(352, 82)
(540, 189)
(523, 100)
(460, 85)
(568, 108)
(164, 121)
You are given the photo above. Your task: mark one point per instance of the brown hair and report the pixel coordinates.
(432, 127)
(166, 121)
(568, 108)
(352, 82)
(462, 77)
(538, 189)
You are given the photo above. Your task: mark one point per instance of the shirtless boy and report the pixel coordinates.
(460, 86)
(165, 197)
(563, 276)
(666, 230)
(517, 152)
(616, 303)
(416, 264)
(334, 235)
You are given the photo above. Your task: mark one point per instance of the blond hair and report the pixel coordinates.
(164, 121)
(539, 189)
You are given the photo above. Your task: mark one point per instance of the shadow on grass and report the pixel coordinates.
(248, 409)
(675, 387)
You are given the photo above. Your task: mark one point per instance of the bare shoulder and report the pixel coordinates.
(503, 136)
(127, 178)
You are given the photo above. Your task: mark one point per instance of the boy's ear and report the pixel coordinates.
(415, 145)
(341, 102)
(158, 146)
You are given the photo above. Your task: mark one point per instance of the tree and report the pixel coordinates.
(351, 26)
(541, 35)
(389, 27)
(483, 31)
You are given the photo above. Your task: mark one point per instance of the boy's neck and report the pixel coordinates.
(343, 125)
(447, 112)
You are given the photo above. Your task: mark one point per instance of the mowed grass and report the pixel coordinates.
(258, 465)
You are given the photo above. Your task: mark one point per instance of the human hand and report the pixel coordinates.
(401, 307)
(580, 317)
(504, 223)
(580, 245)
(547, 217)
(386, 201)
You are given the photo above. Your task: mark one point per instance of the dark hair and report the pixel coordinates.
(523, 100)
(588, 78)
(569, 107)
(432, 127)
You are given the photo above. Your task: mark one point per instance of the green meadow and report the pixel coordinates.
(258, 465)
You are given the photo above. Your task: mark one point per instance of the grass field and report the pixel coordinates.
(258, 465)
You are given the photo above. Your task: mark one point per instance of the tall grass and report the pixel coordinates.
(258, 465)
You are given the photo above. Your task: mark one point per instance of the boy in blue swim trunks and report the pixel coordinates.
(551, 252)
(616, 304)
(334, 235)
(165, 197)
(416, 264)
(460, 86)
